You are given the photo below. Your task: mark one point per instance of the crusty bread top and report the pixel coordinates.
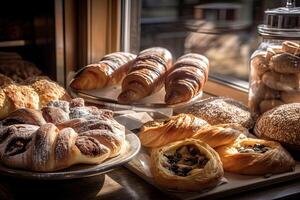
(281, 123)
(221, 110)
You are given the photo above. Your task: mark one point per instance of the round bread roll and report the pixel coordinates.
(281, 82)
(281, 124)
(222, 110)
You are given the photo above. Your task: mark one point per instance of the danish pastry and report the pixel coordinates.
(187, 165)
(255, 157)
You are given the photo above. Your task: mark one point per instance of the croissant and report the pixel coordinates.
(158, 133)
(187, 165)
(110, 70)
(34, 96)
(179, 127)
(147, 74)
(47, 149)
(255, 157)
(186, 78)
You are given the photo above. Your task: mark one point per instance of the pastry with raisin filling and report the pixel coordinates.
(186, 165)
(255, 157)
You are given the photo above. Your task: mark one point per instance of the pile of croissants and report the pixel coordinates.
(147, 73)
(189, 154)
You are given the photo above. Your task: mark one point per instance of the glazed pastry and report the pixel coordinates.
(285, 63)
(281, 82)
(179, 127)
(186, 78)
(110, 70)
(272, 51)
(49, 149)
(187, 165)
(147, 75)
(255, 157)
(34, 96)
(159, 133)
(281, 124)
(221, 110)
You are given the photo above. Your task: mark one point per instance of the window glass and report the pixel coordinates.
(224, 31)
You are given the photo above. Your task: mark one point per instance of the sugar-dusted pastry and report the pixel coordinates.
(110, 70)
(147, 75)
(255, 157)
(34, 94)
(186, 165)
(186, 78)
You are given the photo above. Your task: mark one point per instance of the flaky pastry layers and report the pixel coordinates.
(110, 70)
(182, 126)
(187, 165)
(255, 157)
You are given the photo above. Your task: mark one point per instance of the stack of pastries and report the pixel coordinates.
(143, 75)
(58, 136)
(189, 153)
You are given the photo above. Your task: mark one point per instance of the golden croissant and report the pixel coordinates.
(110, 70)
(147, 75)
(186, 78)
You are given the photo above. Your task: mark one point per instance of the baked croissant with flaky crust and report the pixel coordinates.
(87, 135)
(110, 70)
(186, 165)
(179, 127)
(158, 133)
(34, 95)
(255, 157)
(147, 75)
(186, 78)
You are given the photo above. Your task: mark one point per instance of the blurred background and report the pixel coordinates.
(224, 31)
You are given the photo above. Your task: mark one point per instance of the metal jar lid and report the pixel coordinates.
(283, 22)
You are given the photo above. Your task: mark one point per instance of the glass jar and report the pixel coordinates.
(275, 65)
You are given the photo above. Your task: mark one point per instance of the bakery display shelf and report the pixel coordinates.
(235, 183)
(15, 43)
(130, 150)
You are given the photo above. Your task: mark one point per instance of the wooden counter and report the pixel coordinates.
(119, 184)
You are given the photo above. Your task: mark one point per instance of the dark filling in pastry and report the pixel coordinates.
(184, 160)
(90, 146)
(256, 148)
(12, 121)
(17, 146)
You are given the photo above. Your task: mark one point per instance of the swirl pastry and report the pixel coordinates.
(187, 165)
(186, 78)
(84, 134)
(255, 157)
(110, 70)
(147, 75)
(46, 148)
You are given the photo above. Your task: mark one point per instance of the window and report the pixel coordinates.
(224, 31)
